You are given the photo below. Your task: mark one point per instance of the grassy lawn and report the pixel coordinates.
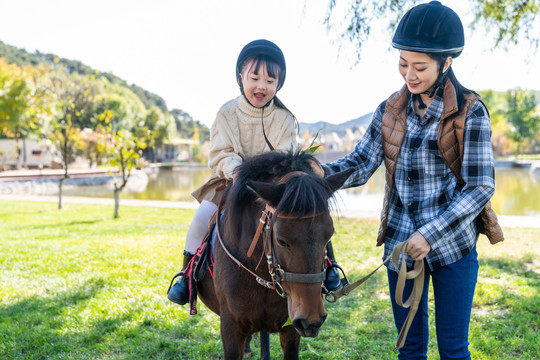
(76, 284)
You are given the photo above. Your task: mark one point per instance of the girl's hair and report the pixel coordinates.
(274, 70)
(460, 89)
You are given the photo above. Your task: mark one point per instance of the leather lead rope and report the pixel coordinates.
(416, 295)
(414, 299)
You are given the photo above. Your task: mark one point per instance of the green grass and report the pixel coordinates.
(520, 157)
(76, 284)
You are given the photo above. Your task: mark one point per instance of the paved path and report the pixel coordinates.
(504, 220)
(29, 174)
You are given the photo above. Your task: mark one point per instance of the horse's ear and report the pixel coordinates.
(268, 192)
(337, 180)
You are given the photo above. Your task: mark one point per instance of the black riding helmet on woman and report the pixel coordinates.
(435, 30)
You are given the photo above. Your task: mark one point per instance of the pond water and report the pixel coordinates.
(517, 191)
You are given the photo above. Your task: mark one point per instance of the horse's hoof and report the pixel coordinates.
(247, 355)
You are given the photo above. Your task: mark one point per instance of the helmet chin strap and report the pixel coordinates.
(264, 132)
(438, 86)
(421, 104)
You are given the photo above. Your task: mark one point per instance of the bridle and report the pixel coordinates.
(265, 231)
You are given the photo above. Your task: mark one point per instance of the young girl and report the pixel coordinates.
(434, 138)
(239, 132)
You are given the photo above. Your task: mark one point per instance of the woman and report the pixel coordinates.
(434, 137)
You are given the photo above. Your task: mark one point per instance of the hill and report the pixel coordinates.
(364, 120)
(184, 123)
(326, 127)
(22, 57)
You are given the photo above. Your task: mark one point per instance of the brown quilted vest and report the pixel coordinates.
(450, 143)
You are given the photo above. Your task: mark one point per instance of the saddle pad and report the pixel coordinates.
(207, 255)
(201, 262)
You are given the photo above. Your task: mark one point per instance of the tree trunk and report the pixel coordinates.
(116, 202)
(18, 149)
(60, 184)
(25, 160)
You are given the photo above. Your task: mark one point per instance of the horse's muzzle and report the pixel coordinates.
(306, 328)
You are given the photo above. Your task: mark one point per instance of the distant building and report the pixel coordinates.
(334, 145)
(176, 149)
(36, 155)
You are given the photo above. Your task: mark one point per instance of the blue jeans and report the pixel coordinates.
(453, 288)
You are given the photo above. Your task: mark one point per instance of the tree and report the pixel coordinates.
(512, 20)
(12, 101)
(122, 146)
(185, 125)
(22, 102)
(123, 151)
(496, 103)
(74, 95)
(520, 114)
(156, 128)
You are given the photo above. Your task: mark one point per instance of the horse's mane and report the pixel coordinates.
(303, 194)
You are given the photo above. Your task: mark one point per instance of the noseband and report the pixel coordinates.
(276, 271)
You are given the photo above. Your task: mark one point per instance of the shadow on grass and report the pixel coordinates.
(9, 214)
(61, 224)
(358, 324)
(514, 266)
(56, 328)
(30, 327)
(513, 332)
(509, 323)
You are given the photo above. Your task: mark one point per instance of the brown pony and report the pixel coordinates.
(282, 279)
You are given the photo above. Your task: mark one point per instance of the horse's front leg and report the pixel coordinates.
(290, 343)
(265, 345)
(233, 340)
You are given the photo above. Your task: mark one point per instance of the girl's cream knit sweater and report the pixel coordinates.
(237, 134)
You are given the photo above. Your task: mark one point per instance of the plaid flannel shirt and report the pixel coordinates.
(426, 196)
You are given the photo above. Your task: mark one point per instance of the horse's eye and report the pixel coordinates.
(282, 242)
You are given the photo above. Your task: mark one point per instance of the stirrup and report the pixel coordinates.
(181, 273)
(344, 281)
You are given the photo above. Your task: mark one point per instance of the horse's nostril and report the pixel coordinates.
(304, 324)
(300, 323)
(306, 328)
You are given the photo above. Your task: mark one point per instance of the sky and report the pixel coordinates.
(186, 51)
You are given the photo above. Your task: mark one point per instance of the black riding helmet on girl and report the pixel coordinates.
(266, 51)
(263, 52)
(433, 29)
